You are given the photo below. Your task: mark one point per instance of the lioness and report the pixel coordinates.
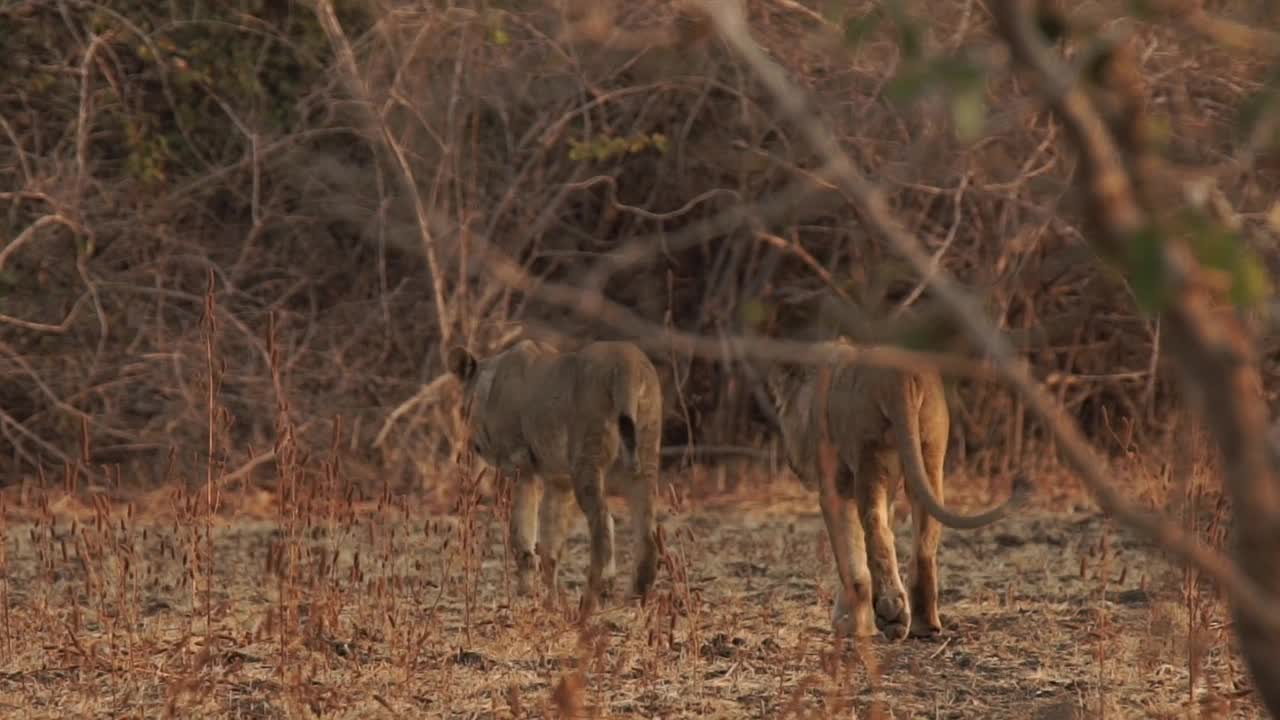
(567, 422)
(864, 428)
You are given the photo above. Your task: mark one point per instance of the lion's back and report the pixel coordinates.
(619, 355)
(563, 394)
(618, 367)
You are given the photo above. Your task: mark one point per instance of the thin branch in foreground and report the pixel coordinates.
(1215, 350)
(731, 24)
(593, 305)
(715, 450)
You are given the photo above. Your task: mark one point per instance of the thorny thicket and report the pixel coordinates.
(560, 150)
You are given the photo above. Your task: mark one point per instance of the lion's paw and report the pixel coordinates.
(526, 568)
(608, 589)
(893, 617)
(922, 628)
(844, 624)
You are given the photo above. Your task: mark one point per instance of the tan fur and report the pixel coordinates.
(564, 424)
(870, 426)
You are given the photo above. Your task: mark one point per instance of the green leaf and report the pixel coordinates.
(1250, 283)
(958, 72)
(922, 337)
(497, 35)
(1146, 270)
(1221, 248)
(859, 28)
(1259, 106)
(1157, 129)
(909, 36)
(1142, 9)
(1214, 244)
(907, 85)
(754, 313)
(969, 114)
(909, 31)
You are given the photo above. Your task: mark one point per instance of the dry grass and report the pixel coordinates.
(327, 593)
(342, 605)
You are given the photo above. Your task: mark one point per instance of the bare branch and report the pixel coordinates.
(60, 328)
(591, 304)
(347, 63)
(8, 421)
(811, 189)
(84, 118)
(426, 393)
(29, 233)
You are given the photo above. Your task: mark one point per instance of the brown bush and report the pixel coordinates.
(533, 129)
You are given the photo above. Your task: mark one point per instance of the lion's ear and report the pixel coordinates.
(461, 363)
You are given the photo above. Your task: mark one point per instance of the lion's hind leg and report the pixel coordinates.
(554, 514)
(642, 499)
(597, 454)
(853, 615)
(893, 614)
(850, 615)
(525, 494)
(927, 532)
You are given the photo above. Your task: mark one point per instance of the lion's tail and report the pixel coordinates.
(906, 430)
(627, 431)
(624, 400)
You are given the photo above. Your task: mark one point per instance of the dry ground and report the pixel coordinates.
(104, 616)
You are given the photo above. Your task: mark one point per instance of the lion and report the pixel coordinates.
(852, 431)
(564, 424)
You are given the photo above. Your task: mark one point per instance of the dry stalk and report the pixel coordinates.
(677, 380)
(4, 582)
(1103, 617)
(213, 463)
(284, 559)
(502, 506)
(470, 484)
